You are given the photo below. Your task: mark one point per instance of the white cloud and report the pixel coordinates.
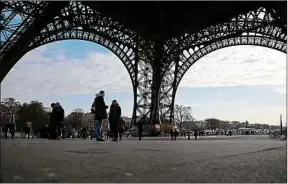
(281, 90)
(238, 65)
(37, 75)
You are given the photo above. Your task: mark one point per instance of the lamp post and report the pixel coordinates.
(281, 133)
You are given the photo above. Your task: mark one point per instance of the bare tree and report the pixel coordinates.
(213, 123)
(11, 105)
(8, 107)
(75, 118)
(182, 114)
(235, 124)
(225, 125)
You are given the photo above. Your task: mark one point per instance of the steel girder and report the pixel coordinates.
(254, 28)
(16, 44)
(78, 21)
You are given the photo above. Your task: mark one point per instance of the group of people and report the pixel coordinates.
(9, 125)
(116, 123)
(55, 128)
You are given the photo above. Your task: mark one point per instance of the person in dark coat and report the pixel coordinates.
(9, 125)
(60, 114)
(121, 128)
(53, 122)
(140, 124)
(171, 134)
(230, 133)
(99, 109)
(114, 118)
(84, 132)
(28, 129)
(91, 133)
(196, 134)
(46, 132)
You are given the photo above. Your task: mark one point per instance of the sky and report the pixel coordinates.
(235, 83)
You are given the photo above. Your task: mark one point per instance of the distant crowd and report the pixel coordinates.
(112, 126)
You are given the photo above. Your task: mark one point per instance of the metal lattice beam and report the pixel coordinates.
(77, 21)
(254, 28)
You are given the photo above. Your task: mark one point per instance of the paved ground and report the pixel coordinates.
(240, 159)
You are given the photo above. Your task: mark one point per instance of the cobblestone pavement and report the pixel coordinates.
(238, 159)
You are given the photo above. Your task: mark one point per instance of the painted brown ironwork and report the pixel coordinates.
(155, 67)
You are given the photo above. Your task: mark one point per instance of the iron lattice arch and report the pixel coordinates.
(77, 21)
(155, 67)
(256, 28)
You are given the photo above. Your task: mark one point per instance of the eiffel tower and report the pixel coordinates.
(156, 41)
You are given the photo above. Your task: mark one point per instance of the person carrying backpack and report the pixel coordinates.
(99, 109)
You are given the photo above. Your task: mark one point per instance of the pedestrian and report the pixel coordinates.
(53, 122)
(230, 133)
(60, 114)
(28, 129)
(176, 132)
(171, 133)
(73, 133)
(121, 128)
(91, 133)
(114, 117)
(195, 134)
(105, 129)
(140, 127)
(9, 125)
(46, 131)
(99, 109)
(84, 132)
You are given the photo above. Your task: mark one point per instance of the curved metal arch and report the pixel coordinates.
(259, 21)
(178, 69)
(78, 16)
(126, 56)
(236, 41)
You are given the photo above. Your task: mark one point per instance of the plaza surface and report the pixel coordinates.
(238, 159)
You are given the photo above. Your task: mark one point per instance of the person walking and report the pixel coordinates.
(99, 109)
(28, 129)
(196, 134)
(114, 117)
(84, 132)
(175, 132)
(105, 129)
(46, 131)
(121, 128)
(59, 118)
(53, 122)
(171, 133)
(140, 127)
(91, 133)
(73, 133)
(9, 125)
(230, 133)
